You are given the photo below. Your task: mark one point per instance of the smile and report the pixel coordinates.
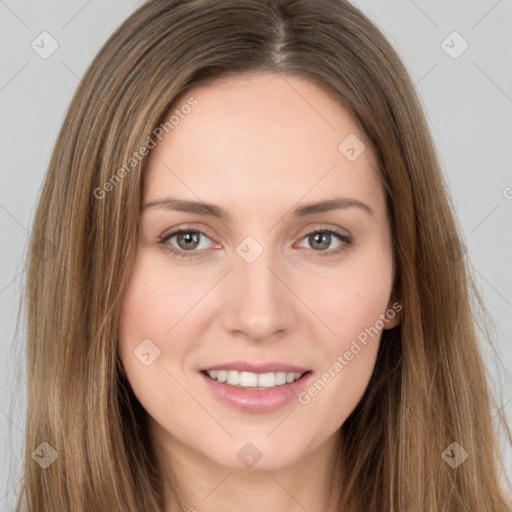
(260, 391)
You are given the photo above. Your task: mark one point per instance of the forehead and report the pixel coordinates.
(259, 135)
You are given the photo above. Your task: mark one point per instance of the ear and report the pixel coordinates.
(393, 314)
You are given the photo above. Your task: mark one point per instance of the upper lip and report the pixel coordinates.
(246, 366)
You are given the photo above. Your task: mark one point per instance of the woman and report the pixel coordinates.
(314, 348)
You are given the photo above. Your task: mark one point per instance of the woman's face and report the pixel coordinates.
(247, 290)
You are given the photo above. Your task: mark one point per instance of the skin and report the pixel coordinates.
(258, 146)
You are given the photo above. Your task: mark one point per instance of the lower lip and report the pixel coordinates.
(256, 400)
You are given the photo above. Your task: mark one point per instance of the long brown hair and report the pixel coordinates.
(429, 388)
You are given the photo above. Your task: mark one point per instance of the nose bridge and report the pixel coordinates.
(256, 279)
(260, 304)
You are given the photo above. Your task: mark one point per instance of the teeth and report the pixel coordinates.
(280, 378)
(267, 380)
(233, 378)
(253, 380)
(248, 379)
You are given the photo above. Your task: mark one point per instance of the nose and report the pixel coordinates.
(259, 302)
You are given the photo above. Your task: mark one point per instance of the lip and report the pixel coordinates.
(256, 400)
(246, 366)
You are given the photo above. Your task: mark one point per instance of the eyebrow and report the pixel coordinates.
(202, 208)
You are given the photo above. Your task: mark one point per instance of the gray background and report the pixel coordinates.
(468, 102)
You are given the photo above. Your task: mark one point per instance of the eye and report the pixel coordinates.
(190, 243)
(322, 238)
(184, 242)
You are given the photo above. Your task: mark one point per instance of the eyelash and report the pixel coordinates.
(164, 239)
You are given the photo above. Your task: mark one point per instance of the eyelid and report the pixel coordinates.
(184, 227)
(323, 227)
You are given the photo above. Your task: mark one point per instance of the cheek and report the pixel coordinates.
(154, 310)
(352, 304)
(158, 300)
(359, 306)
(352, 300)
(152, 305)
